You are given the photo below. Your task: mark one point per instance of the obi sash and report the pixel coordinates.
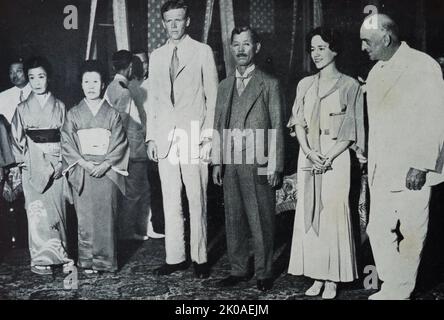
(44, 135)
(94, 141)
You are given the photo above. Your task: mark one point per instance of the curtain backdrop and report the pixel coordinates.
(227, 26)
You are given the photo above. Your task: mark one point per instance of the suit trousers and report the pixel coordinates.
(249, 206)
(397, 230)
(195, 179)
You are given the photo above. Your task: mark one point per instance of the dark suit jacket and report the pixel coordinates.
(265, 111)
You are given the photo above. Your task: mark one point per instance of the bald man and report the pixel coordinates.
(405, 112)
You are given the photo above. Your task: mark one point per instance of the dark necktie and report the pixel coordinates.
(174, 66)
(22, 96)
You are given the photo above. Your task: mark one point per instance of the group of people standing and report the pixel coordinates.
(96, 152)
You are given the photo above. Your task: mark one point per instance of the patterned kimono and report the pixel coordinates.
(95, 137)
(38, 156)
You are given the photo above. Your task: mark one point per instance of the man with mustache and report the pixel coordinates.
(405, 113)
(182, 89)
(249, 103)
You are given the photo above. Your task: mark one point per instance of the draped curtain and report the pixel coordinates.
(208, 20)
(121, 30)
(92, 21)
(227, 26)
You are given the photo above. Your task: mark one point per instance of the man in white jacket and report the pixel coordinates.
(406, 112)
(182, 90)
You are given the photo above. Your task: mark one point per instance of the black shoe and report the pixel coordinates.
(201, 270)
(167, 269)
(231, 281)
(264, 284)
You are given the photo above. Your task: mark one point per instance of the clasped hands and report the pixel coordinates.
(95, 170)
(321, 163)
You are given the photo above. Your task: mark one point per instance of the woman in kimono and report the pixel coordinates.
(95, 149)
(327, 118)
(36, 145)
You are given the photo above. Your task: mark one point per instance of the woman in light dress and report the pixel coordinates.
(327, 118)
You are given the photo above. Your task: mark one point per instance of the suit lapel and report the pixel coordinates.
(253, 90)
(187, 54)
(228, 102)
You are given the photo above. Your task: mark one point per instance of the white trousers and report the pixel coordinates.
(195, 179)
(397, 230)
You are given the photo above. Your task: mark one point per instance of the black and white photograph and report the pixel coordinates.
(240, 151)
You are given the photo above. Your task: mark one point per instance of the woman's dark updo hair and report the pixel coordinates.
(329, 35)
(92, 66)
(38, 62)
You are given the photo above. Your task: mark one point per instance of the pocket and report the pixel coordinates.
(336, 120)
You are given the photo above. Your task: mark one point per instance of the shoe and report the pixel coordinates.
(90, 271)
(264, 284)
(329, 290)
(167, 269)
(41, 270)
(139, 237)
(315, 289)
(151, 233)
(201, 270)
(231, 281)
(68, 267)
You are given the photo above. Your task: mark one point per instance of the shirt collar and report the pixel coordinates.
(181, 44)
(119, 77)
(396, 56)
(26, 89)
(247, 72)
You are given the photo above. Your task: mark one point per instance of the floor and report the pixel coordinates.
(135, 279)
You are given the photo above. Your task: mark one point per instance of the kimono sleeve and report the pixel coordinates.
(6, 156)
(70, 142)
(18, 137)
(118, 149)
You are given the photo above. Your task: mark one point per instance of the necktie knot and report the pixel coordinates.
(241, 82)
(22, 96)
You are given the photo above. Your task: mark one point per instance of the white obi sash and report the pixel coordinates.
(94, 141)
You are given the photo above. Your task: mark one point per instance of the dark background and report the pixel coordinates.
(35, 27)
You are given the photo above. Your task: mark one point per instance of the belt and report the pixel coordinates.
(44, 135)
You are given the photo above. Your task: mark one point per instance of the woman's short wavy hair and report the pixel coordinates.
(329, 35)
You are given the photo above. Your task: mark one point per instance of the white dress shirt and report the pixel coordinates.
(9, 99)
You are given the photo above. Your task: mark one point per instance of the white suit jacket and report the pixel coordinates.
(195, 91)
(405, 98)
(9, 100)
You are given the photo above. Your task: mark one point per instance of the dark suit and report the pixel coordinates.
(249, 199)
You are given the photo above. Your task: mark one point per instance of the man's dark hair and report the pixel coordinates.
(174, 4)
(329, 35)
(121, 60)
(239, 30)
(92, 66)
(16, 60)
(38, 62)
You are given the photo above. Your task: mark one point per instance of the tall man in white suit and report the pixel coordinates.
(406, 113)
(182, 96)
